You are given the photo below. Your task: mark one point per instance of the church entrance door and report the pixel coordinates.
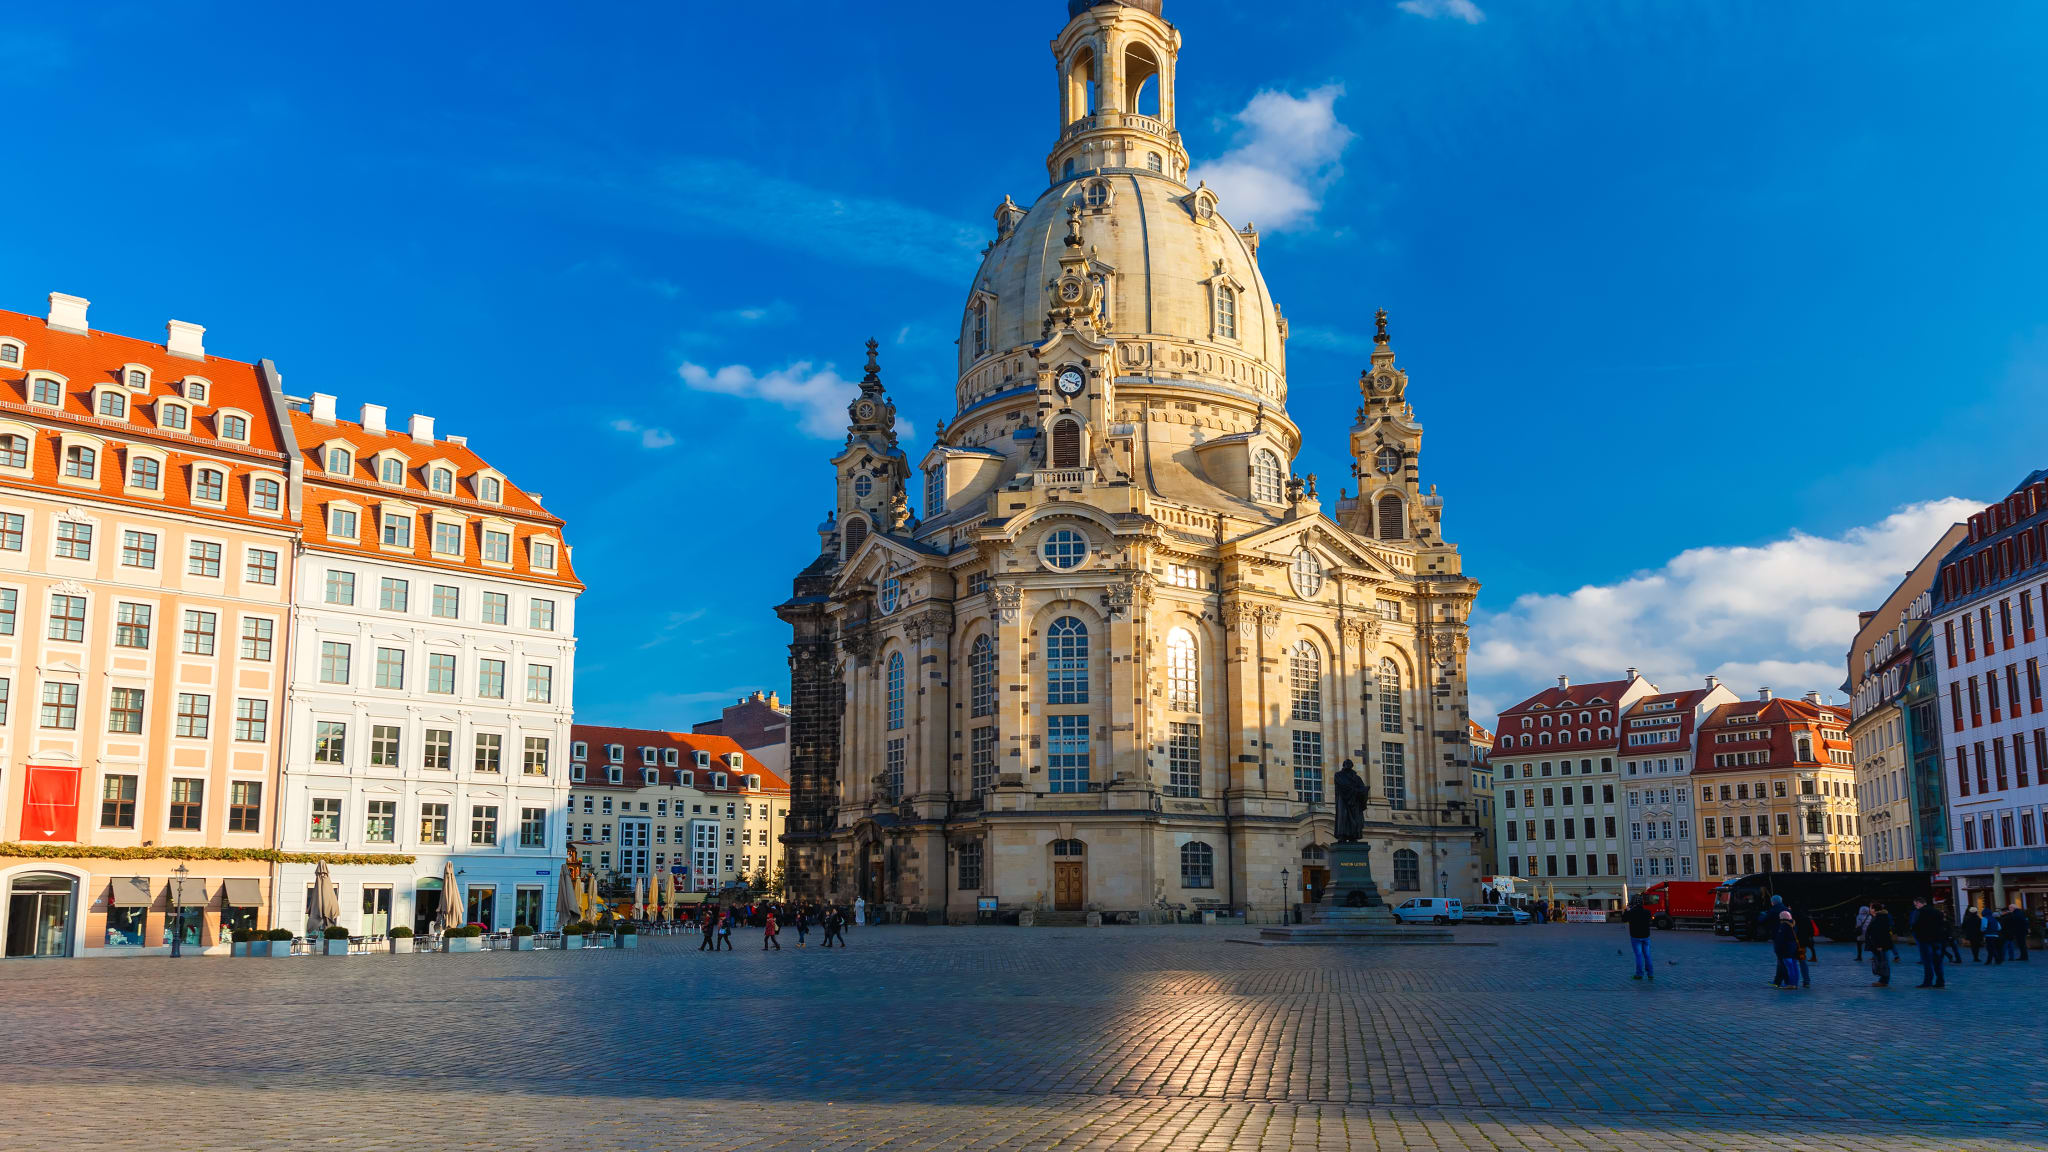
(1067, 885)
(1313, 880)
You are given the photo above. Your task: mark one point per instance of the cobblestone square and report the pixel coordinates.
(1123, 1038)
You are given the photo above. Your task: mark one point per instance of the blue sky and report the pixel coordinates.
(1704, 304)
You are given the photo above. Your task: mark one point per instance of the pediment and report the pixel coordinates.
(1321, 534)
(880, 556)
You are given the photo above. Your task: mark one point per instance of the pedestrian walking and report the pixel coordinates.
(1863, 915)
(1950, 945)
(724, 932)
(1638, 920)
(803, 926)
(835, 927)
(1971, 928)
(1804, 929)
(1878, 934)
(769, 932)
(2015, 926)
(1992, 931)
(1930, 931)
(710, 943)
(1785, 949)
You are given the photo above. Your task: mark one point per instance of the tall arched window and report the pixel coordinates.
(1390, 696)
(1197, 865)
(895, 690)
(1805, 743)
(1183, 679)
(1081, 85)
(1392, 517)
(1305, 677)
(856, 533)
(1267, 483)
(980, 329)
(1226, 311)
(1141, 81)
(1066, 444)
(1066, 662)
(935, 492)
(392, 471)
(981, 677)
(1407, 871)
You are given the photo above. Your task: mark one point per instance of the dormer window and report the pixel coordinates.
(703, 759)
(441, 481)
(646, 754)
(397, 530)
(80, 463)
(195, 391)
(668, 757)
(718, 781)
(732, 760)
(13, 451)
(615, 752)
(338, 460)
(391, 470)
(447, 538)
(753, 783)
(209, 485)
(137, 378)
(649, 776)
(113, 405)
(341, 522)
(689, 781)
(579, 750)
(172, 416)
(615, 774)
(543, 555)
(1226, 311)
(234, 427)
(47, 390)
(1098, 193)
(10, 352)
(576, 773)
(497, 547)
(490, 489)
(264, 494)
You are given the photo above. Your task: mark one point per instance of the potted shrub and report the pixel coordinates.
(522, 937)
(626, 934)
(401, 940)
(573, 934)
(334, 941)
(280, 942)
(468, 938)
(244, 942)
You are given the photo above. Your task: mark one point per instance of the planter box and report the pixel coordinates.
(522, 943)
(334, 947)
(572, 941)
(1026, 919)
(628, 941)
(280, 949)
(400, 945)
(465, 943)
(1095, 919)
(1208, 917)
(240, 947)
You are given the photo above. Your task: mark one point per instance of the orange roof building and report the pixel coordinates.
(696, 806)
(1776, 784)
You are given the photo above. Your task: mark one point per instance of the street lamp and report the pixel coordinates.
(1286, 898)
(178, 875)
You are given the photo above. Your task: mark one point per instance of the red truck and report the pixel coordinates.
(1686, 903)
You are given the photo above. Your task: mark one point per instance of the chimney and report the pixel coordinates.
(1763, 694)
(187, 340)
(459, 441)
(1713, 682)
(67, 313)
(422, 428)
(775, 700)
(373, 418)
(1813, 697)
(1631, 674)
(323, 407)
(1564, 681)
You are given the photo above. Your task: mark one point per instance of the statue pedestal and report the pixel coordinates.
(1351, 896)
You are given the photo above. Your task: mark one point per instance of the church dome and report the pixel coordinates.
(1076, 7)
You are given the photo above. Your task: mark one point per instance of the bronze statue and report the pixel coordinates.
(1350, 791)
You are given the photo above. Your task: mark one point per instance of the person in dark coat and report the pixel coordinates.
(2015, 926)
(710, 938)
(1950, 947)
(1785, 946)
(1970, 928)
(1930, 929)
(1991, 930)
(1638, 920)
(1877, 935)
(1802, 930)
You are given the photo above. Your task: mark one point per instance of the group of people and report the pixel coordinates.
(716, 922)
(1994, 936)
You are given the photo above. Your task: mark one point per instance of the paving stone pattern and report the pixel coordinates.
(1114, 1038)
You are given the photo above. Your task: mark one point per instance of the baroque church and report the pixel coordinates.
(1117, 658)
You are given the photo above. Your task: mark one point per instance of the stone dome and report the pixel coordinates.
(1176, 277)
(1076, 7)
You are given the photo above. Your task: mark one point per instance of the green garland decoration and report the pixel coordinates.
(181, 852)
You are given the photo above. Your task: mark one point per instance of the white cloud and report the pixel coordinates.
(1778, 615)
(649, 437)
(1285, 156)
(1464, 10)
(818, 396)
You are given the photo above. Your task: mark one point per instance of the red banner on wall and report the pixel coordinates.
(50, 810)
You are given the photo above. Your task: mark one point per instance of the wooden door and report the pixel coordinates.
(1066, 886)
(1313, 880)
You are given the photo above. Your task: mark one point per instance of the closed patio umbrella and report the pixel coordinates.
(665, 897)
(589, 894)
(639, 898)
(326, 902)
(452, 910)
(566, 910)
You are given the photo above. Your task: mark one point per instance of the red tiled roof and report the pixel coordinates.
(1784, 718)
(686, 744)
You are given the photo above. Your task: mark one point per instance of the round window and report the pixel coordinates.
(1307, 573)
(1064, 549)
(892, 594)
(862, 486)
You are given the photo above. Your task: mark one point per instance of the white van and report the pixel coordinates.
(1430, 910)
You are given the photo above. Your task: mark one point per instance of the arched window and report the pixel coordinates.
(490, 490)
(1066, 662)
(392, 471)
(1226, 311)
(1153, 162)
(935, 491)
(895, 690)
(80, 462)
(13, 451)
(1390, 698)
(1307, 573)
(210, 485)
(981, 677)
(441, 480)
(1183, 677)
(856, 533)
(1081, 85)
(1066, 444)
(1585, 736)
(113, 405)
(1197, 865)
(1267, 483)
(1407, 871)
(980, 329)
(1392, 517)
(234, 428)
(1069, 848)
(1141, 81)
(1305, 677)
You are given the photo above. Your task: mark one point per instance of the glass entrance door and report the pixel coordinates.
(527, 908)
(376, 911)
(39, 909)
(483, 907)
(426, 908)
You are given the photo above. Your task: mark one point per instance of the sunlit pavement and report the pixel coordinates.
(1126, 1038)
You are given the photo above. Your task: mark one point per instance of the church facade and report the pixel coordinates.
(1116, 661)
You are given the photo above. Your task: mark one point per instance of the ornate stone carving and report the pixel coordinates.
(1009, 602)
(1269, 622)
(859, 644)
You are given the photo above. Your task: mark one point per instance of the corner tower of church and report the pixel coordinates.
(1116, 662)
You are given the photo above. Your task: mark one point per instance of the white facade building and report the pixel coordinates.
(1659, 737)
(432, 675)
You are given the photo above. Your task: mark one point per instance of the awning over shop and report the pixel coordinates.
(244, 892)
(133, 892)
(188, 892)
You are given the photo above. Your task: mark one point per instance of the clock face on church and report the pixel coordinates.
(1069, 382)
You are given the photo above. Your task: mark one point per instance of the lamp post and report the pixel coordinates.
(1286, 898)
(178, 875)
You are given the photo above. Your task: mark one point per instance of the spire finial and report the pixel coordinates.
(874, 368)
(1379, 335)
